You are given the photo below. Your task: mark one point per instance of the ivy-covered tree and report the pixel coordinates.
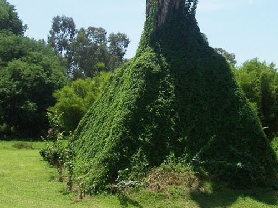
(179, 97)
(9, 20)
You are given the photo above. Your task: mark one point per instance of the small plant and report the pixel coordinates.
(55, 152)
(123, 183)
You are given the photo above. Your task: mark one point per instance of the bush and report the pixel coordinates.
(75, 99)
(56, 152)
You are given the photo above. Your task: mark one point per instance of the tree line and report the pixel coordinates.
(68, 72)
(32, 70)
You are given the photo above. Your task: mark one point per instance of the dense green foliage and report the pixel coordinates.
(75, 99)
(259, 82)
(177, 96)
(9, 20)
(86, 52)
(30, 72)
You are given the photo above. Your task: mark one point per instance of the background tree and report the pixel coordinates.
(259, 82)
(230, 57)
(86, 51)
(118, 44)
(89, 52)
(9, 20)
(61, 35)
(74, 100)
(30, 73)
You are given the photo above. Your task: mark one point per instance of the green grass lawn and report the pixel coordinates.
(27, 181)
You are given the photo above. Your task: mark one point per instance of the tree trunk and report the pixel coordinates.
(162, 8)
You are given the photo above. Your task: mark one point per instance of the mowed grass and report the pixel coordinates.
(27, 181)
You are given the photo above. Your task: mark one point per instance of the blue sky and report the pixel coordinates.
(247, 28)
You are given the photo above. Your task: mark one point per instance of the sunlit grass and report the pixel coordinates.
(27, 181)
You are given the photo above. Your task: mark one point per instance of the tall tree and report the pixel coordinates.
(30, 73)
(86, 51)
(230, 57)
(118, 44)
(89, 51)
(9, 20)
(177, 96)
(61, 35)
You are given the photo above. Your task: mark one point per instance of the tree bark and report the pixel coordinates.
(162, 9)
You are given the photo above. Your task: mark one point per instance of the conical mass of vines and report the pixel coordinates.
(175, 97)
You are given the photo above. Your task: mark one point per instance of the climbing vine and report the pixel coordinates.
(178, 97)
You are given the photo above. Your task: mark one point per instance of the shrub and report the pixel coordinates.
(75, 99)
(55, 152)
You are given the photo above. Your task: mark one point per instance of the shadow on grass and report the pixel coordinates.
(23, 145)
(125, 201)
(225, 197)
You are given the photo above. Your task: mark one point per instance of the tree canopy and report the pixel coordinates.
(9, 20)
(86, 52)
(30, 72)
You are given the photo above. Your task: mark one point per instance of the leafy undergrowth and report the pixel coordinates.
(27, 181)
